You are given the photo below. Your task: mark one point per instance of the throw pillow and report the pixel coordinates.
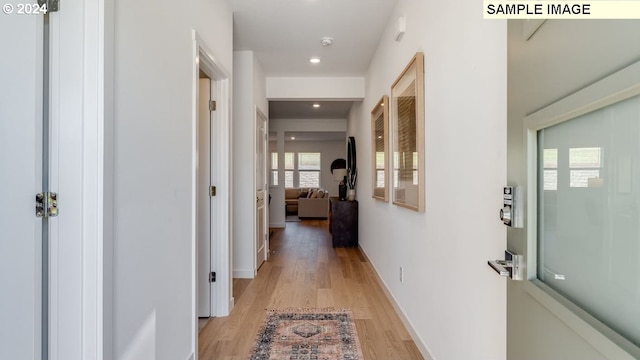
(303, 194)
(314, 194)
(320, 193)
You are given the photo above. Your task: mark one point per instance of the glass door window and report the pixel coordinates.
(589, 213)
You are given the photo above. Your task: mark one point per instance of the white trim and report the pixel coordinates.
(222, 207)
(77, 154)
(617, 87)
(277, 225)
(424, 350)
(93, 185)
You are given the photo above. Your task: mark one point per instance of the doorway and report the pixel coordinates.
(262, 231)
(205, 191)
(211, 184)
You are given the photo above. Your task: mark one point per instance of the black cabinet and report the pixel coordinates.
(343, 222)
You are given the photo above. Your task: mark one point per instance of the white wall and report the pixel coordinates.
(248, 93)
(152, 140)
(455, 302)
(543, 70)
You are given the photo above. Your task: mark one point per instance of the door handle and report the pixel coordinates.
(500, 266)
(512, 266)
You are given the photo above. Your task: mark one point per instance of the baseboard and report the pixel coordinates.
(403, 317)
(277, 225)
(243, 274)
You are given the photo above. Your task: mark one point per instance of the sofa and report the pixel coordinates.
(314, 207)
(307, 203)
(291, 200)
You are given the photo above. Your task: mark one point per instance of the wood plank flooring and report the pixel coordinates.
(305, 271)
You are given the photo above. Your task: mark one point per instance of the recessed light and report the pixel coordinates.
(316, 105)
(379, 136)
(314, 60)
(293, 138)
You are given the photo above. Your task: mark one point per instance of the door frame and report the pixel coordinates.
(81, 124)
(613, 88)
(221, 210)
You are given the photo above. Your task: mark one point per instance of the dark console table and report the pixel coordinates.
(343, 222)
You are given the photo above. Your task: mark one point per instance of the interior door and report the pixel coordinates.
(261, 189)
(204, 199)
(21, 132)
(573, 136)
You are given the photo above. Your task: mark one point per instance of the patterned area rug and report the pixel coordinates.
(309, 334)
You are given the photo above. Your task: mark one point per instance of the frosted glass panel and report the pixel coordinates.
(589, 222)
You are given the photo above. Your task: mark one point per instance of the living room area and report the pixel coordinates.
(301, 152)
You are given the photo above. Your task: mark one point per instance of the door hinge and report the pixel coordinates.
(212, 105)
(212, 191)
(212, 277)
(51, 5)
(46, 204)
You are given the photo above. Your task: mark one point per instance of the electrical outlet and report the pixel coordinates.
(401, 275)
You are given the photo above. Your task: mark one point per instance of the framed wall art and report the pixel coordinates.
(407, 116)
(379, 148)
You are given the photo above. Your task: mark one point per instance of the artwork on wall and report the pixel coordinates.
(379, 148)
(352, 169)
(407, 116)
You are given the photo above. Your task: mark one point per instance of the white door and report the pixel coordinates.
(20, 179)
(203, 195)
(574, 135)
(261, 189)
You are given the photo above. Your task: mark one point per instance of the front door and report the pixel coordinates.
(573, 141)
(21, 137)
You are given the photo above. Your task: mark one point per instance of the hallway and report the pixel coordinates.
(305, 271)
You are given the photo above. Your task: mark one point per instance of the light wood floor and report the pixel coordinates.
(305, 271)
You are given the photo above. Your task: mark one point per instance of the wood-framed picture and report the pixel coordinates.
(380, 148)
(407, 116)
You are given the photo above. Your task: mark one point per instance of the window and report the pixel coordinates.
(309, 170)
(588, 233)
(289, 168)
(305, 172)
(274, 169)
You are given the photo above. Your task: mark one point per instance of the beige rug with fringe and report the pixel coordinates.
(307, 334)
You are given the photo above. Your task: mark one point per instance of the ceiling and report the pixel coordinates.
(305, 109)
(284, 34)
(311, 136)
